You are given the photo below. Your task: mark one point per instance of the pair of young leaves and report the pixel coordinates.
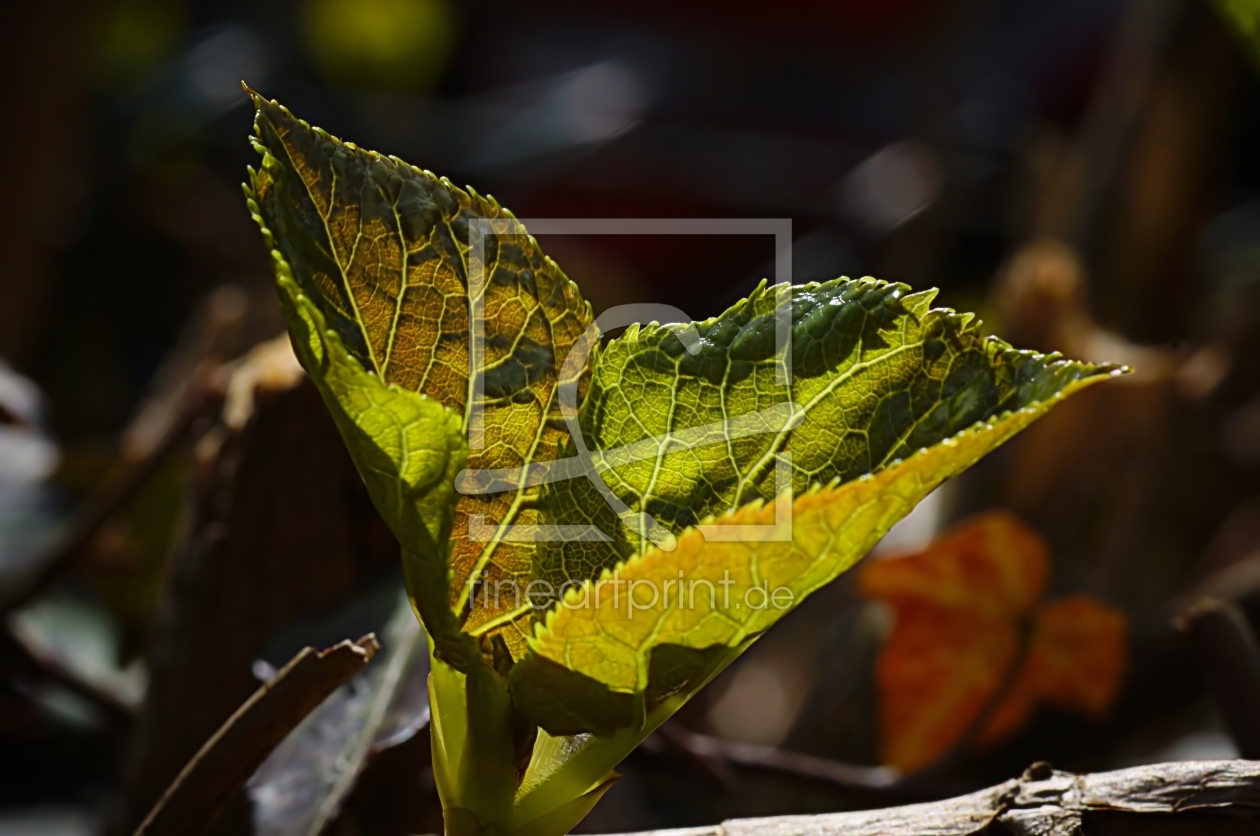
(387, 276)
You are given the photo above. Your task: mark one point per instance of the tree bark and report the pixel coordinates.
(1200, 797)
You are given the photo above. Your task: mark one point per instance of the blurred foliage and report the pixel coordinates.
(126, 562)
(136, 37)
(386, 44)
(1244, 18)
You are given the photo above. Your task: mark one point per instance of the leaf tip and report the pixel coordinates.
(253, 94)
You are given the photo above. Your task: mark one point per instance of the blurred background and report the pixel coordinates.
(177, 515)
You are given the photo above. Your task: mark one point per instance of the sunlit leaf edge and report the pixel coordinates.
(619, 708)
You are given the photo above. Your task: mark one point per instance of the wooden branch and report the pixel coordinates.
(1202, 797)
(241, 744)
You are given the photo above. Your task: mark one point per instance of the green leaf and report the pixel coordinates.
(876, 374)
(609, 655)
(565, 817)
(698, 462)
(380, 254)
(407, 447)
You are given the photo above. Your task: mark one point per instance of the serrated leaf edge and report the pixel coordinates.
(542, 628)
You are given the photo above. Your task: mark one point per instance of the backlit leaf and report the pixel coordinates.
(375, 260)
(967, 609)
(876, 375)
(407, 447)
(744, 461)
(609, 653)
(679, 435)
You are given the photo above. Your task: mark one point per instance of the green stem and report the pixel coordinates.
(565, 769)
(473, 756)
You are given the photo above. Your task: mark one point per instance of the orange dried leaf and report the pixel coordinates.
(1079, 654)
(990, 566)
(961, 610)
(1075, 661)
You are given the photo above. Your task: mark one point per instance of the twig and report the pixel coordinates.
(780, 760)
(1228, 656)
(241, 744)
(61, 554)
(1194, 797)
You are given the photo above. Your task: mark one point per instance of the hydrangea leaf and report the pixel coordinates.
(407, 447)
(678, 435)
(621, 644)
(381, 252)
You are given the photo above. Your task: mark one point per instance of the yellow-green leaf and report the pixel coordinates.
(876, 374)
(408, 448)
(381, 251)
(614, 649)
